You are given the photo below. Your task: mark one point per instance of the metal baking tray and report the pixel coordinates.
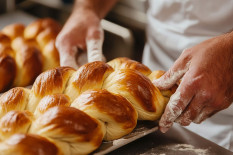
(142, 129)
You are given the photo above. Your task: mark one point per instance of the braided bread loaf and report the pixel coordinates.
(71, 112)
(27, 51)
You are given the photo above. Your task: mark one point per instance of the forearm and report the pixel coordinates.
(100, 7)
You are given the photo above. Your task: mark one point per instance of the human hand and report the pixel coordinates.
(206, 87)
(82, 30)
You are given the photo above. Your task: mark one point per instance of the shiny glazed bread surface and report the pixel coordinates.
(25, 52)
(74, 111)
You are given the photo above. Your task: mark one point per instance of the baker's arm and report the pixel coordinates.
(83, 30)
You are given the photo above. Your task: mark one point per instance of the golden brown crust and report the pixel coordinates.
(60, 118)
(139, 86)
(28, 61)
(67, 124)
(14, 30)
(126, 63)
(8, 69)
(15, 122)
(7, 63)
(89, 76)
(45, 37)
(138, 89)
(51, 56)
(114, 111)
(46, 41)
(20, 42)
(5, 49)
(91, 73)
(33, 29)
(14, 99)
(28, 144)
(29, 65)
(4, 39)
(50, 101)
(32, 54)
(52, 81)
(44, 31)
(113, 105)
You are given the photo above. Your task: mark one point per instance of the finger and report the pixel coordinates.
(204, 114)
(211, 107)
(67, 52)
(173, 109)
(174, 74)
(177, 103)
(94, 43)
(68, 56)
(193, 109)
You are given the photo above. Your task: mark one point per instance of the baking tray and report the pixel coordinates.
(142, 129)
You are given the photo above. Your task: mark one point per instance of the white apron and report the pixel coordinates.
(174, 25)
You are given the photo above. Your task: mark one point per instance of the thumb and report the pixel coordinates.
(94, 43)
(173, 75)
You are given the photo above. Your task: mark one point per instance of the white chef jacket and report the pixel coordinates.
(174, 25)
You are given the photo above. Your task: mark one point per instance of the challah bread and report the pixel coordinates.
(126, 63)
(44, 31)
(8, 69)
(139, 90)
(28, 57)
(4, 39)
(50, 82)
(7, 63)
(50, 101)
(89, 76)
(15, 122)
(28, 144)
(33, 29)
(72, 130)
(46, 41)
(27, 51)
(29, 65)
(118, 115)
(14, 30)
(14, 99)
(76, 110)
